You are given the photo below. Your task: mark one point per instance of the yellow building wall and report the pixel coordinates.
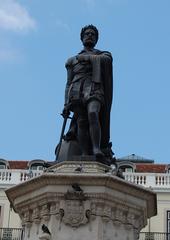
(159, 222)
(8, 217)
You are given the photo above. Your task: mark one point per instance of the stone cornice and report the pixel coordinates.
(83, 179)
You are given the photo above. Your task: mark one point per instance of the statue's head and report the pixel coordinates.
(89, 35)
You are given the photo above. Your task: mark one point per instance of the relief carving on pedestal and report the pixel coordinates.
(36, 217)
(74, 213)
(36, 214)
(26, 220)
(45, 212)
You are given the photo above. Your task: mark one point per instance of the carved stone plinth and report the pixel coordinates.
(80, 201)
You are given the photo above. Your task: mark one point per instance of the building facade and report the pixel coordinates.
(135, 169)
(146, 173)
(12, 173)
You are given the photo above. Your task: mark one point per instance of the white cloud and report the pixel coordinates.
(15, 17)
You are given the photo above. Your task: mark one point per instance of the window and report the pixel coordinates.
(149, 236)
(0, 218)
(7, 234)
(167, 169)
(40, 168)
(2, 166)
(37, 167)
(129, 169)
(126, 166)
(33, 167)
(168, 225)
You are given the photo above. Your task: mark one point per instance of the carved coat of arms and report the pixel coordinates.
(74, 213)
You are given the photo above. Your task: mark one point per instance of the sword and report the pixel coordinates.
(65, 116)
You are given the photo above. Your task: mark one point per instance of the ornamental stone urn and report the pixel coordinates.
(79, 201)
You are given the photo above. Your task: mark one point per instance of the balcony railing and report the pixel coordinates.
(11, 234)
(149, 180)
(13, 177)
(18, 234)
(154, 236)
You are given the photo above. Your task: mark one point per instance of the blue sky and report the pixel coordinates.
(37, 37)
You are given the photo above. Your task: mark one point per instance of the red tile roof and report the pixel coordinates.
(18, 164)
(140, 167)
(154, 168)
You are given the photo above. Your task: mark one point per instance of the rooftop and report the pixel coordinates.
(136, 159)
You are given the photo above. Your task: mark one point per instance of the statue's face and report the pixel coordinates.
(89, 38)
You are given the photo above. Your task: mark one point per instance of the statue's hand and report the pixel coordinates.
(66, 112)
(83, 58)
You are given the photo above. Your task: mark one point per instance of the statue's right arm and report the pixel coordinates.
(68, 66)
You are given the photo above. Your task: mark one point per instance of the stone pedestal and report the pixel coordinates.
(80, 201)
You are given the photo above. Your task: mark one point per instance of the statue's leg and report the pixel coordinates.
(82, 132)
(93, 109)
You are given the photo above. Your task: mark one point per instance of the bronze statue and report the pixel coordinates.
(88, 95)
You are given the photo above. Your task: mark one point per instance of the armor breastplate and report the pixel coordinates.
(81, 70)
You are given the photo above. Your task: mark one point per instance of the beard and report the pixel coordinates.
(90, 44)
